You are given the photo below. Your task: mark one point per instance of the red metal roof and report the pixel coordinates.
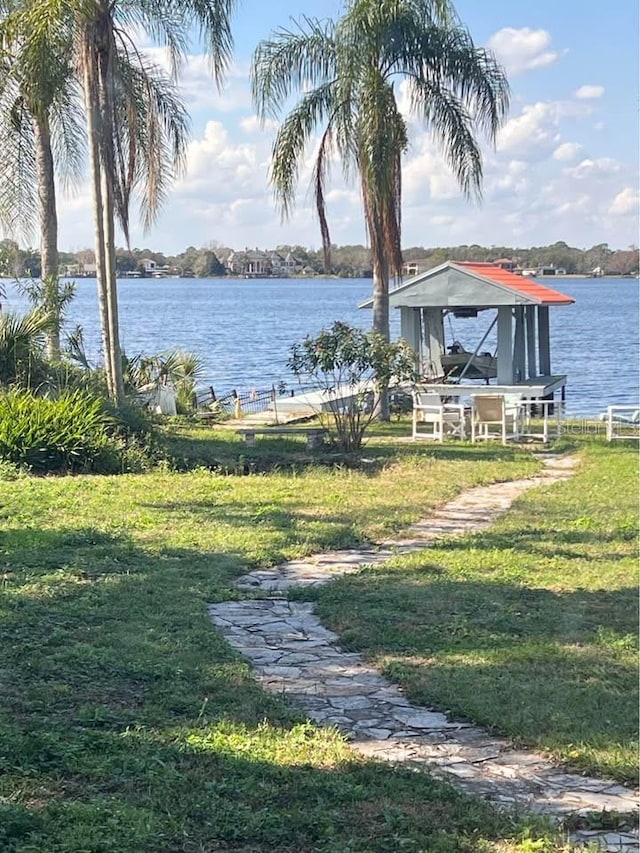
(520, 284)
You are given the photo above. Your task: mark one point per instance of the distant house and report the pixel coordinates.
(148, 265)
(254, 263)
(292, 264)
(506, 264)
(411, 268)
(278, 263)
(80, 270)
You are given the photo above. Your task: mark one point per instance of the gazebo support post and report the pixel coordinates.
(544, 348)
(433, 326)
(505, 345)
(518, 345)
(530, 321)
(411, 331)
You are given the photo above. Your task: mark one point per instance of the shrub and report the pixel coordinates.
(67, 434)
(351, 366)
(21, 343)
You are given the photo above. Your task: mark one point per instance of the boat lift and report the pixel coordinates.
(464, 289)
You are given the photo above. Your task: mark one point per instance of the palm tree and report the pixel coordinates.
(39, 123)
(117, 167)
(38, 93)
(346, 73)
(136, 125)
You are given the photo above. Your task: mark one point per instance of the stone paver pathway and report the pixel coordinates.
(292, 653)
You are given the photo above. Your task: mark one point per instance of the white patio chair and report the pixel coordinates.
(440, 418)
(502, 412)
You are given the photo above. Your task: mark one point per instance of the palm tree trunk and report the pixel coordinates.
(381, 296)
(111, 287)
(108, 221)
(381, 319)
(93, 135)
(48, 221)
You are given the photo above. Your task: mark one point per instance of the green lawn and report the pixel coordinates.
(128, 725)
(529, 628)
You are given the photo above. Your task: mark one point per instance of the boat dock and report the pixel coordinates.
(308, 404)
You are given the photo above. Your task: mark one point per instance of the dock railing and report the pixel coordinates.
(235, 403)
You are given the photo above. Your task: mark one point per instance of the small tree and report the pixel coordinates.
(351, 366)
(178, 369)
(51, 296)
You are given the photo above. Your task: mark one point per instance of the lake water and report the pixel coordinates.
(243, 329)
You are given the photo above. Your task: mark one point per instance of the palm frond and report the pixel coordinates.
(18, 174)
(292, 139)
(290, 61)
(170, 23)
(21, 344)
(151, 133)
(453, 133)
(449, 59)
(320, 173)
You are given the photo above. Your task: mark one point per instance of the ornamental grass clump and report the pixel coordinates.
(69, 434)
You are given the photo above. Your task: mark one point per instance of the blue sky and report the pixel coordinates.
(565, 166)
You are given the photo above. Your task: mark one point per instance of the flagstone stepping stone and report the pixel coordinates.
(291, 653)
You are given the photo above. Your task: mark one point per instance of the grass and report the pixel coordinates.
(128, 725)
(529, 628)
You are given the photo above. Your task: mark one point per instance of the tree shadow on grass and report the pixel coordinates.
(536, 664)
(535, 539)
(129, 724)
(233, 457)
(202, 789)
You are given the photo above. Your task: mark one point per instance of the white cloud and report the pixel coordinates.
(441, 221)
(535, 133)
(580, 204)
(627, 201)
(426, 175)
(505, 180)
(586, 93)
(252, 125)
(197, 87)
(215, 163)
(567, 151)
(343, 195)
(536, 128)
(522, 49)
(594, 169)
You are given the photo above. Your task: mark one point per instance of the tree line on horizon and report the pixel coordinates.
(349, 261)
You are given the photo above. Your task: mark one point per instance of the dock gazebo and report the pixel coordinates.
(520, 309)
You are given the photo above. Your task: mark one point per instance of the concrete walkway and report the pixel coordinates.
(292, 653)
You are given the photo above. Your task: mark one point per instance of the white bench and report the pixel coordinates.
(315, 435)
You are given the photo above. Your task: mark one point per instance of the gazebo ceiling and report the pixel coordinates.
(467, 284)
